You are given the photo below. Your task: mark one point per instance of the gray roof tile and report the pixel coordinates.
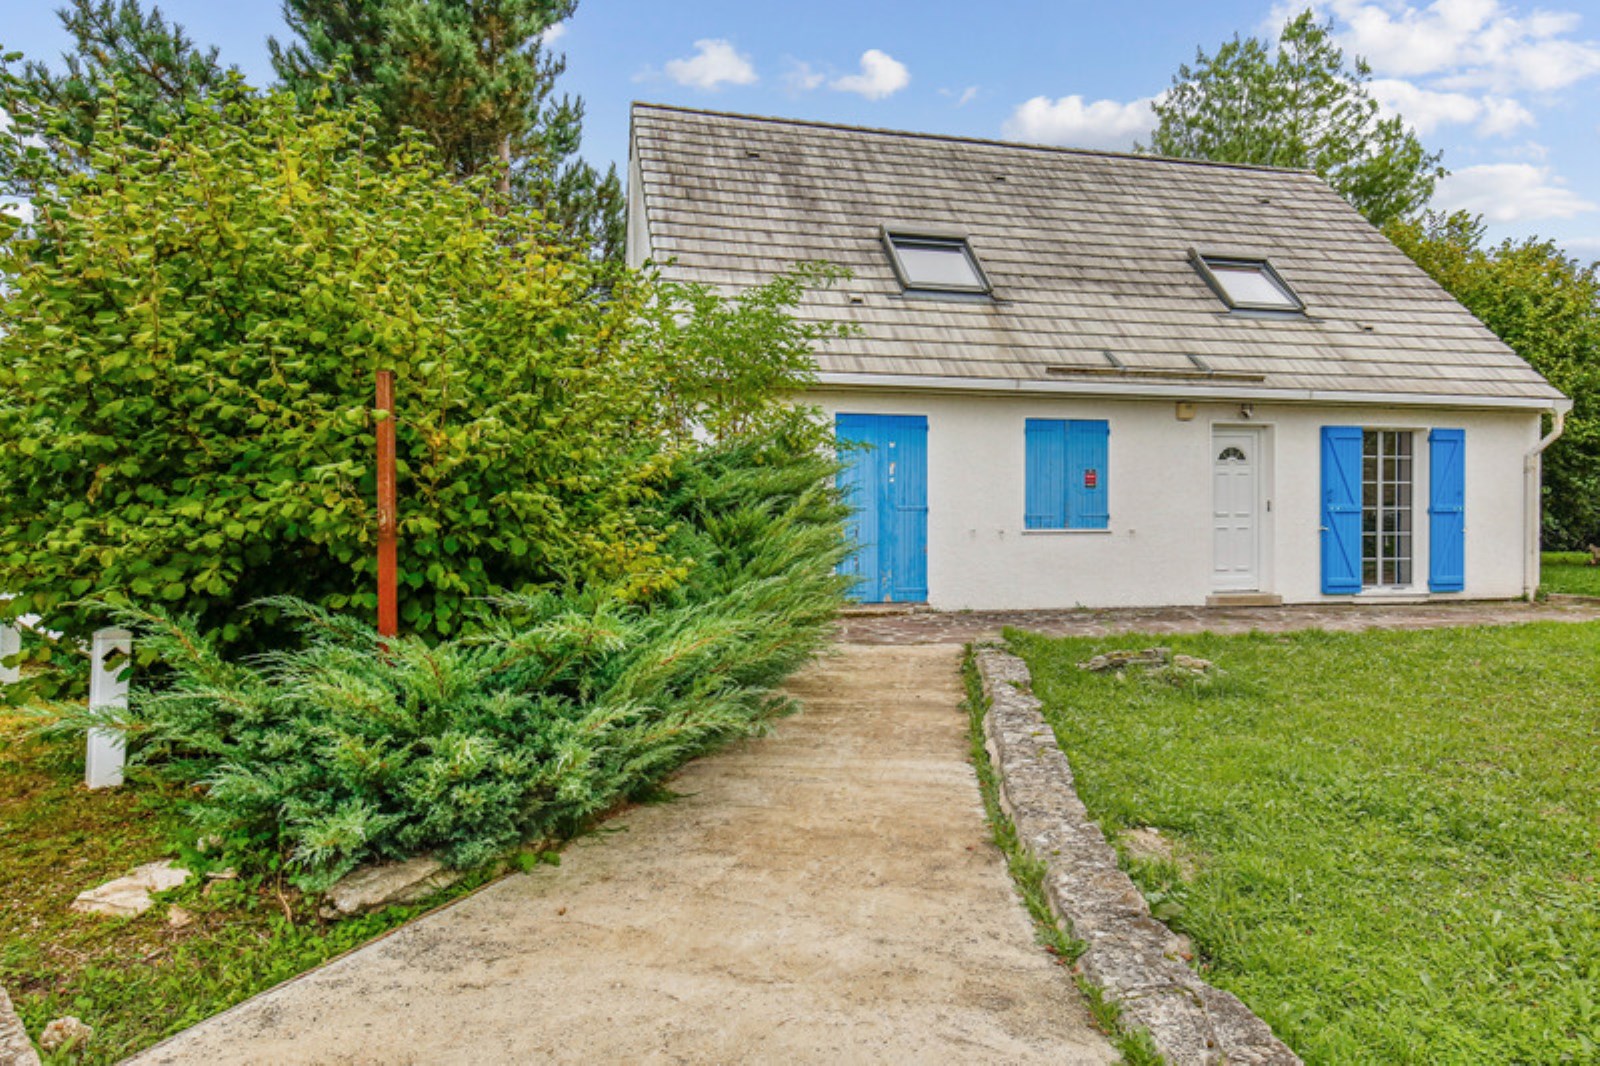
(1087, 252)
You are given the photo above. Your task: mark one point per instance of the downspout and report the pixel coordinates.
(1531, 471)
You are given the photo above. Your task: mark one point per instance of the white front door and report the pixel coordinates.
(1235, 510)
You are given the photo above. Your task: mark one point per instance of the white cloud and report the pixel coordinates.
(1467, 43)
(1510, 192)
(881, 75)
(1425, 110)
(715, 63)
(1526, 150)
(801, 77)
(1070, 121)
(1503, 115)
(1584, 249)
(961, 97)
(553, 34)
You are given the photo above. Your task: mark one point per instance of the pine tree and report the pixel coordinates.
(1296, 105)
(159, 70)
(475, 78)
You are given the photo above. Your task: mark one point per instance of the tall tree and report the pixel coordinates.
(157, 68)
(1546, 306)
(475, 78)
(1296, 105)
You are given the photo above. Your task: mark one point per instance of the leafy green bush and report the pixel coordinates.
(1546, 306)
(349, 749)
(188, 338)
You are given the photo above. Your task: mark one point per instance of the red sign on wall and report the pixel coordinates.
(1091, 478)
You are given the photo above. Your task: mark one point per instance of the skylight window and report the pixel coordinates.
(935, 264)
(1248, 284)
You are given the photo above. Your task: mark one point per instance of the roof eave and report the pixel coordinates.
(1182, 391)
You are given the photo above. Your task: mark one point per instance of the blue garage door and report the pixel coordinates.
(885, 482)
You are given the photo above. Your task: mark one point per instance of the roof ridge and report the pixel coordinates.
(883, 131)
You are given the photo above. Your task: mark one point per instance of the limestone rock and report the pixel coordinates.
(1121, 660)
(1151, 659)
(129, 896)
(177, 917)
(374, 887)
(64, 1033)
(15, 1047)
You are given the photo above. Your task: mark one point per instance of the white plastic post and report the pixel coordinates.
(107, 691)
(10, 644)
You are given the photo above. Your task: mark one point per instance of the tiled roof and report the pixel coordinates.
(1088, 253)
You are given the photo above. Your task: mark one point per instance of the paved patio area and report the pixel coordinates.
(826, 894)
(922, 626)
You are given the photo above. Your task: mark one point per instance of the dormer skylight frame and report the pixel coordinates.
(1207, 265)
(896, 236)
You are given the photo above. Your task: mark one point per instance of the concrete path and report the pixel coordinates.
(826, 894)
(922, 626)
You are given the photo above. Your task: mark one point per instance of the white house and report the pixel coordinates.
(1098, 379)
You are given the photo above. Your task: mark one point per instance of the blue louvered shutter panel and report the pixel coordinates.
(858, 490)
(1447, 510)
(1086, 472)
(908, 489)
(1045, 474)
(1341, 510)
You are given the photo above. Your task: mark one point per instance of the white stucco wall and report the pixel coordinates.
(1158, 550)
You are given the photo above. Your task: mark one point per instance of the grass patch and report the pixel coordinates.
(135, 981)
(1569, 573)
(1028, 874)
(1398, 833)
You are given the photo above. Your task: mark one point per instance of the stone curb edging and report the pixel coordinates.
(15, 1047)
(1130, 957)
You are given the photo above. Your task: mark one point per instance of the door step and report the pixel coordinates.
(1244, 599)
(869, 610)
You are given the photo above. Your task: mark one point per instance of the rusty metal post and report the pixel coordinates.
(388, 554)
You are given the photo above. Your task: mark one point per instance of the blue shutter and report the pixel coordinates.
(858, 490)
(1086, 464)
(908, 501)
(1447, 500)
(1341, 510)
(1045, 474)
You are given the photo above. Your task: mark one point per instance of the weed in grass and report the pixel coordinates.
(1398, 829)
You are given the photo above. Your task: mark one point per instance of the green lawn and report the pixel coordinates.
(134, 980)
(1569, 572)
(1396, 835)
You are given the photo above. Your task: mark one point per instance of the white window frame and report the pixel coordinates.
(1411, 534)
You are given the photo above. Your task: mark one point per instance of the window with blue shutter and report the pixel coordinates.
(1447, 497)
(1065, 475)
(1341, 509)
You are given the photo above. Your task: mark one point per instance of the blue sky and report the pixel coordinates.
(1509, 91)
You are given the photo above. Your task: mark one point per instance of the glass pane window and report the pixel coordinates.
(1386, 509)
(938, 264)
(1250, 284)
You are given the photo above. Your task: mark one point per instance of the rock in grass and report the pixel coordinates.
(374, 887)
(1151, 659)
(15, 1047)
(63, 1034)
(128, 897)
